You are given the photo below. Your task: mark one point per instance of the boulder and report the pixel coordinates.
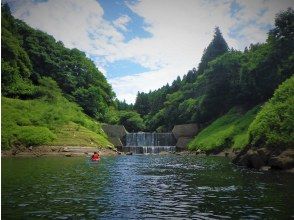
(185, 130)
(264, 153)
(249, 158)
(283, 161)
(265, 168)
(255, 160)
(182, 143)
(117, 131)
(115, 141)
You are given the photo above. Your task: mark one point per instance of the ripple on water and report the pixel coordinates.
(145, 187)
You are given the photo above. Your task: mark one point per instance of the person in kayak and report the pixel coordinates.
(95, 156)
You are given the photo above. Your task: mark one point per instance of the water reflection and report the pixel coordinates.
(153, 186)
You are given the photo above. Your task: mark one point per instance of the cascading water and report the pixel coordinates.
(146, 142)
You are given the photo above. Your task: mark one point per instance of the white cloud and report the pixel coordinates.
(78, 24)
(128, 86)
(180, 30)
(122, 22)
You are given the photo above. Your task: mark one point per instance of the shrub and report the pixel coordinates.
(230, 130)
(273, 125)
(30, 135)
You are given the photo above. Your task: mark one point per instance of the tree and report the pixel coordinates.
(28, 55)
(217, 47)
(222, 86)
(142, 105)
(91, 101)
(132, 121)
(273, 126)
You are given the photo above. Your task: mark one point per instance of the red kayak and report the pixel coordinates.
(95, 159)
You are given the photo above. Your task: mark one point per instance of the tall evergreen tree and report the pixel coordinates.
(217, 47)
(142, 105)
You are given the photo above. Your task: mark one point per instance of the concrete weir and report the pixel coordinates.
(151, 142)
(147, 142)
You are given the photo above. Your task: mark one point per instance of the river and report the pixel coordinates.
(138, 187)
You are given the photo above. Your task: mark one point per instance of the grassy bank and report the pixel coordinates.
(42, 122)
(273, 126)
(230, 130)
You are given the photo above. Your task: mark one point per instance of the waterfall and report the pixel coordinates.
(147, 142)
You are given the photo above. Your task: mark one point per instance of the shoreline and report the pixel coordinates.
(67, 151)
(247, 158)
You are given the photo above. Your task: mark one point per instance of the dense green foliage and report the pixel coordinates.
(273, 126)
(131, 120)
(28, 55)
(217, 47)
(230, 130)
(224, 79)
(50, 119)
(42, 81)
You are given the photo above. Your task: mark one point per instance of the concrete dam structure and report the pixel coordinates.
(147, 142)
(151, 142)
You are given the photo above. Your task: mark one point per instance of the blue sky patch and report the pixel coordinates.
(135, 28)
(123, 68)
(235, 8)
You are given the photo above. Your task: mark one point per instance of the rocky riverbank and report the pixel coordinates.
(261, 159)
(68, 151)
(266, 158)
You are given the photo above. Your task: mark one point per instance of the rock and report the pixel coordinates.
(115, 141)
(290, 170)
(249, 158)
(283, 161)
(242, 160)
(129, 153)
(110, 147)
(255, 160)
(31, 148)
(117, 131)
(68, 155)
(264, 153)
(164, 153)
(265, 168)
(182, 143)
(263, 158)
(185, 130)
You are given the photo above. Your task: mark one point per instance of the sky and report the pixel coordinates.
(141, 45)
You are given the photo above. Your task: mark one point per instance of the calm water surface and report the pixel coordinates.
(138, 187)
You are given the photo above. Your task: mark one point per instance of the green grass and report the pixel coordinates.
(73, 134)
(230, 130)
(40, 122)
(274, 124)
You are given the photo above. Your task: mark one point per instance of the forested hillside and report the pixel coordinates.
(28, 55)
(225, 78)
(51, 93)
(42, 81)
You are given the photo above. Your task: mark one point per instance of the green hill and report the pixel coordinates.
(274, 124)
(44, 121)
(51, 95)
(230, 130)
(225, 78)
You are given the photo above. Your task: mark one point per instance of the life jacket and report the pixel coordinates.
(95, 156)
